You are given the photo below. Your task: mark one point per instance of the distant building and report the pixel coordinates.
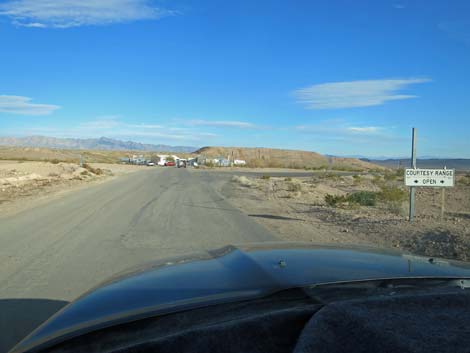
(221, 162)
(163, 158)
(136, 159)
(192, 162)
(239, 162)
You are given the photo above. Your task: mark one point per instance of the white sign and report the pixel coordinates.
(430, 177)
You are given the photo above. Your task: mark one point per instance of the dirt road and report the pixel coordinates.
(53, 253)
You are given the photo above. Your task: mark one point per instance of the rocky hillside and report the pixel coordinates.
(279, 158)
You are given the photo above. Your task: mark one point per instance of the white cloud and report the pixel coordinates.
(145, 126)
(102, 122)
(364, 129)
(23, 106)
(336, 95)
(340, 130)
(223, 123)
(75, 13)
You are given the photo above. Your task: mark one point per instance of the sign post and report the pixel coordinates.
(413, 165)
(443, 203)
(440, 178)
(415, 177)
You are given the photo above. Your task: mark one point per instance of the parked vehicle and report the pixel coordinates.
(170, 164)
(150, 164)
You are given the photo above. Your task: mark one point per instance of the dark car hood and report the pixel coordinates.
(228, 274)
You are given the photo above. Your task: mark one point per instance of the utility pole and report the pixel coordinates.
(413, 165)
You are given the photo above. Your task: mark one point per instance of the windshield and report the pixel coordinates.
(132, 131)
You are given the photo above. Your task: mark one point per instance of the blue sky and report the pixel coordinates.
(336, 77)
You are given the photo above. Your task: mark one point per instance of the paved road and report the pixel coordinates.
(51, 254)
(281, 174)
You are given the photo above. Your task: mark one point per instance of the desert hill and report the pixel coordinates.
(280, 158)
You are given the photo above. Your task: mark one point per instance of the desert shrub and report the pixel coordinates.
(377, 179)
(53, 175)
(154, 159)
(288, 179)
(327, 175)
(85, 172)
(392, 194)
(390, 176)
(346, 168)
(294, 165)
(54, 161)
(465, 180)
(334, 200)
(265, 177)
(396, 207)
(400, 172)
(294, 187)
(357, 179)
(242, 180)
(363, 198)
(96, 171)
(274, 164)
(321, 167)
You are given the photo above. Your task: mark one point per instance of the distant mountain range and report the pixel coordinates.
(461, 164)
(102, 143)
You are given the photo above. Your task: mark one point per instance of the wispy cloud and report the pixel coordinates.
(340, 130)
(145, 126)
(223, 123)
(336, 95)
(102, 122)
(23, 106)
(75, 13)
(364, 129)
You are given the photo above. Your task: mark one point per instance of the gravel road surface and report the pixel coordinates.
(51, 254)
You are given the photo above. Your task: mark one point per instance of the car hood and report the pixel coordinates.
(232, 273)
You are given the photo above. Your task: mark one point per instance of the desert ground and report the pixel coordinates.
(367, 209)
(27, 183)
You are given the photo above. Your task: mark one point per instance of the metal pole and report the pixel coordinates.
(413, 165)
(443, 203)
